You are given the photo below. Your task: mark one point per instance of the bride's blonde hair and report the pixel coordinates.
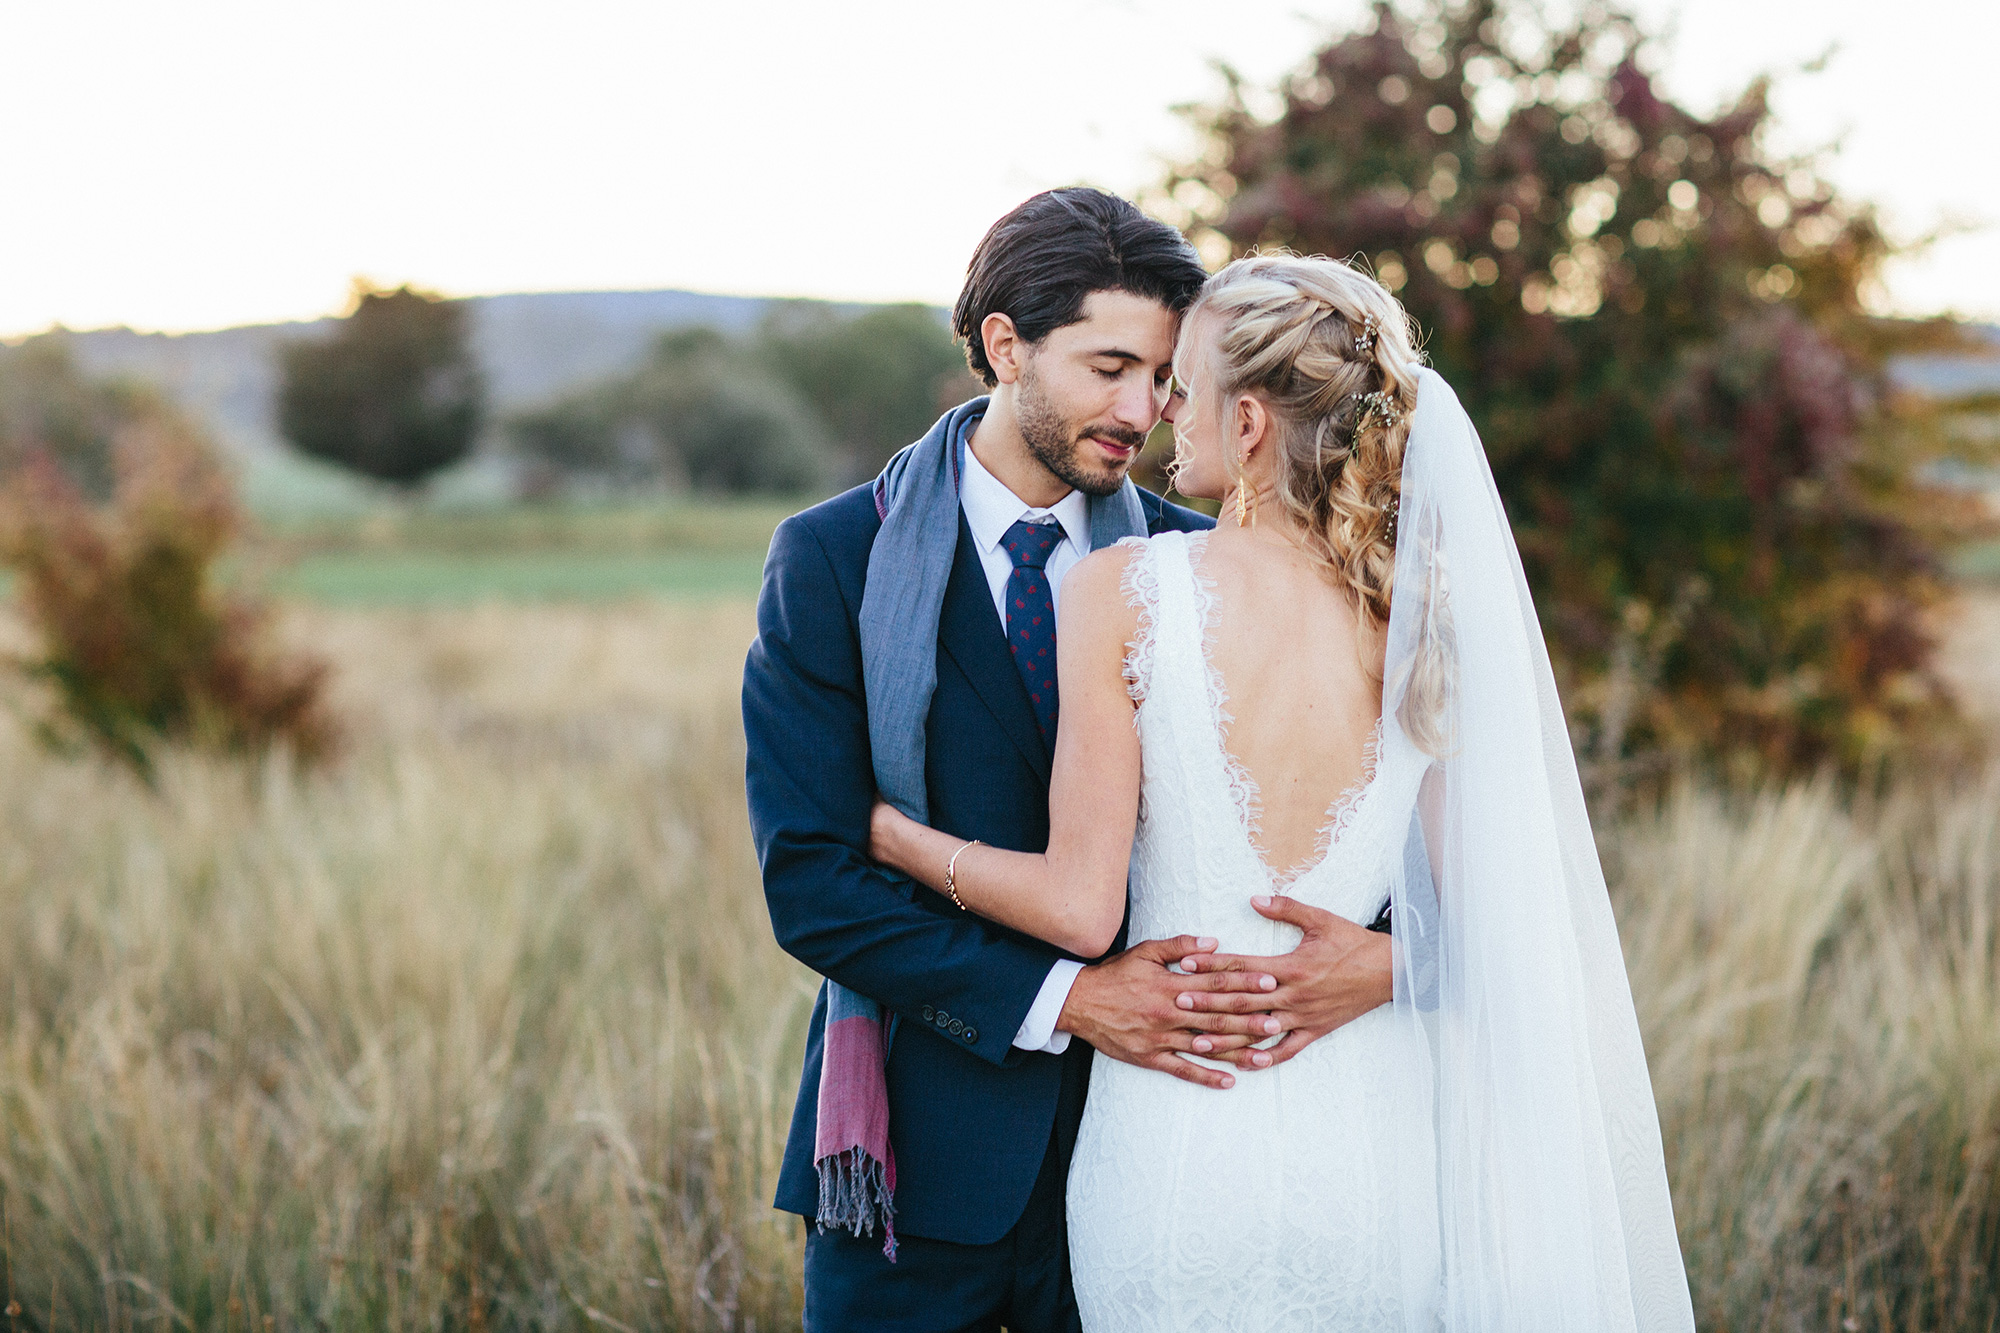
(1335, 357)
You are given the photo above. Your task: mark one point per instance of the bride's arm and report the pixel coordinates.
(1073, 895)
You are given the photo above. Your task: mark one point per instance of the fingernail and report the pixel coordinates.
(1207, 942)
(1267, 983)
(1185, 1001)
(1204, 1045)
(1261, 900)
(1228, 1082)
(1260, 1059)
(1271, 1025)
(1190, 965)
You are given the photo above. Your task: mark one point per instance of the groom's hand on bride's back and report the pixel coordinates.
(1338, 972)
(1128, 1007)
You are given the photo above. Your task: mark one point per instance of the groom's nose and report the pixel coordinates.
(1138, 406)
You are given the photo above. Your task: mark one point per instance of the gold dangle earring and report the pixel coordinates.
(1246, 503)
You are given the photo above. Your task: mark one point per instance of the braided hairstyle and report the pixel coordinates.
(1334, 355)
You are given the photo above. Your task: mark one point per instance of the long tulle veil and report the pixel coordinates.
(1543, 1187)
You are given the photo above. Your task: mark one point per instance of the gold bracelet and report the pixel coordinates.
(951, 874)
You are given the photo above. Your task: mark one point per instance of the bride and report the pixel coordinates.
(1340, 695)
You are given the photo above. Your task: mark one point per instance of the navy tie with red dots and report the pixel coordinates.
(1031, 616)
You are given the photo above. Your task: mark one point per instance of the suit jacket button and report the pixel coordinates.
(956, 1026)
(972, 1035)
(942, 1018)
(930, 1013)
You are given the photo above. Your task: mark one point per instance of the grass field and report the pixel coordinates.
(483, 1027)
(676, 549)
(367, 578)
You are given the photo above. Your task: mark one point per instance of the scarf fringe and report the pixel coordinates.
(854, 1196)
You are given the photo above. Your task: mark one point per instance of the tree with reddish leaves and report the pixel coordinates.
(139, 643)
(1658, 326)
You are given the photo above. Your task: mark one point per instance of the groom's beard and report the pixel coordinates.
(1061, 447)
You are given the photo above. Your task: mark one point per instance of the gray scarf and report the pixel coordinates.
(916, 498)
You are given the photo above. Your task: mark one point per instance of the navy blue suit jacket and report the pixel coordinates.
(971, 1117)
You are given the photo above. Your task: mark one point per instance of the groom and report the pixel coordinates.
(918, 593)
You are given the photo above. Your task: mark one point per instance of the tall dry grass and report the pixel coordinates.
(1820, 991)
(484, 1026)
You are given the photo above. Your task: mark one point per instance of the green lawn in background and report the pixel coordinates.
(742, 526)
(405, 577)
(420, 554)
(400, 555)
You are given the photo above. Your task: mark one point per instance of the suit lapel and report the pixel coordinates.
(970, 633)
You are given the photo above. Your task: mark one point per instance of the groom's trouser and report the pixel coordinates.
(1020, 1282)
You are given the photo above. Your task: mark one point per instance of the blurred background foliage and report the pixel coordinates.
(1735, 512)
(114, 511)
(50, 409)
(1660, 328)
(391, 392)
(814, 398)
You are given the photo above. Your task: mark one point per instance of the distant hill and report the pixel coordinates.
(536, 345)
(533, 346)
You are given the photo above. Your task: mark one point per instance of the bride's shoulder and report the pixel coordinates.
(1102, 582)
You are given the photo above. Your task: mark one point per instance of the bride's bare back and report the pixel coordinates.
(1302, 676)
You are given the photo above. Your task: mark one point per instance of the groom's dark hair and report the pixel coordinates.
(1038, 264)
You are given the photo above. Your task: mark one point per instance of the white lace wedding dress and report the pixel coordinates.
(1273, 1205)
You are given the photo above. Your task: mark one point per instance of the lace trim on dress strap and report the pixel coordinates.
(1141, 586)
(1243, 791)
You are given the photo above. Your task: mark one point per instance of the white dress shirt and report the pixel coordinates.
(990, 509)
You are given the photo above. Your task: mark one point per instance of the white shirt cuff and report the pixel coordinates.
(1038, 1029)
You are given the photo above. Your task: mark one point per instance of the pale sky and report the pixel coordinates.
(215, 162)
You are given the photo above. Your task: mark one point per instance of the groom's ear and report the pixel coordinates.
(1005, 348)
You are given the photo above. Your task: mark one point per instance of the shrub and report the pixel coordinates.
(815, 395)
(136, 641)
(702, 412)
(878, 379)
(723, 422)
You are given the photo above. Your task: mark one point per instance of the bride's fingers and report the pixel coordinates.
(1225, 1002)
(1218, 1044)
(1231, 965)
(1258, 1026)
(1295, 1041)
(1245, 1057)
(1219, 979)
(1181, 1068)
